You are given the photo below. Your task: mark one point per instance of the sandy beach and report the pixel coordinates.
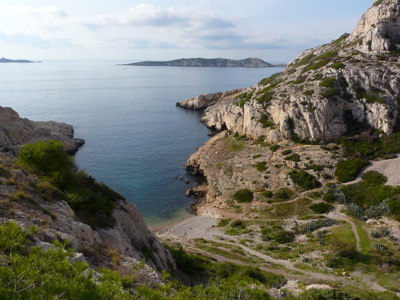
(191, 227)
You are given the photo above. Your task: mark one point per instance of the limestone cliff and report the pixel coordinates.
(16, 131)
(323, 90)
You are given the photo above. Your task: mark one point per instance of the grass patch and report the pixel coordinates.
(365, 241)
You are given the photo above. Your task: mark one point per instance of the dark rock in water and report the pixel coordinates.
(180, 178)
(186, 181)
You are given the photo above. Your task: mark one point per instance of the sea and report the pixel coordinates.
(137, 139)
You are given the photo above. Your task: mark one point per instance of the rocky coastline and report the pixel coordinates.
(27, 201)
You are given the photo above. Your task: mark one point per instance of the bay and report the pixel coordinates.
(137, 140)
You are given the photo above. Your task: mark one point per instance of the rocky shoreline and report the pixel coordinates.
(28, 201)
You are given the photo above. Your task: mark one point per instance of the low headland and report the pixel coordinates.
(208, 62)
(20, 61)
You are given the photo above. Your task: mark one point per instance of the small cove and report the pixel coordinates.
(137, 140)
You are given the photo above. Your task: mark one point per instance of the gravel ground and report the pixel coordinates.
(390, 168)
(190, 228)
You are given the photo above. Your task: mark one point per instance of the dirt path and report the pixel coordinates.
(293, 272)
(336, 215)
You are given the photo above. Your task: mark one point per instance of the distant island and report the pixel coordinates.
(211, 62)
(21, 61)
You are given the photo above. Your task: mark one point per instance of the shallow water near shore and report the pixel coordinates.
(137, 140)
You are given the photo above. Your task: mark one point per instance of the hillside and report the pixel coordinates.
(212, 62)
(280, 170)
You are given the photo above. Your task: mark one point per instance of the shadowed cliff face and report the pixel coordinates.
(325, 89)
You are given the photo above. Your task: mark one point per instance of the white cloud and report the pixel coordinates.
(27, 38)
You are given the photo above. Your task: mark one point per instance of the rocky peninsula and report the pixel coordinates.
(280, 170)
(211, 62)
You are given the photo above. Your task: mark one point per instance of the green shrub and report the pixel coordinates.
(329, 197)
(265, 122)
(286, 152)
(223, 222)
(348, 170)
(243, 196)
(49, 160)
(338, 66)
(374, 177)
(284, 194)
(261, 166)
(304, 180)
(328, 82)
(257, 156)
(293, 157)
(92, 202)
(308, 93)
(283, 237)
(273, 148)
(267, 194)
(31, 273)
(316, 167)
(366, 195)
(321, 208)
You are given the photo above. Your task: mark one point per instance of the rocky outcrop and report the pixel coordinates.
(204, 101)
(16, 131)
(128, 239)
(379, 28)
(325, 89)
(232, 163)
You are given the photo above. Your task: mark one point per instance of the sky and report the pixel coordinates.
(273, 30)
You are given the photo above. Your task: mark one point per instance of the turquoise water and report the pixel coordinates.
(137, 140)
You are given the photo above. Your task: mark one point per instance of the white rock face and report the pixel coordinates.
(325, 89)
(16, 131)
(203, 101)
(379, 27)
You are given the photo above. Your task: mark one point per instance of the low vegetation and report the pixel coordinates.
(304, 180)
(93, 202)
(243, 196)
(348, 170)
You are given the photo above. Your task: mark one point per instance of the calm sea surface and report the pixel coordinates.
(137, 140)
